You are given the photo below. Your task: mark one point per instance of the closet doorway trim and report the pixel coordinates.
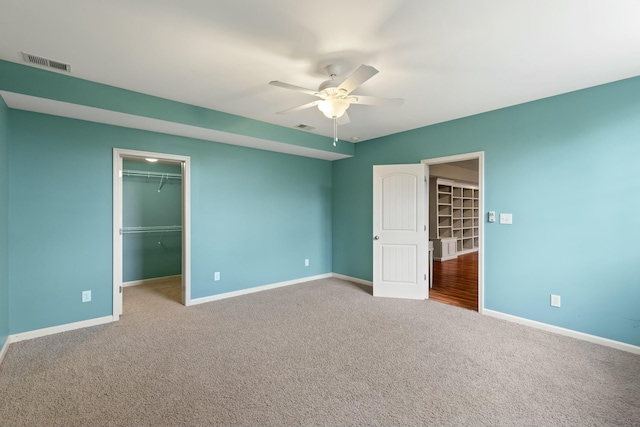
(185, 161)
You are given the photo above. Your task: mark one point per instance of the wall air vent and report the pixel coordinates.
(39, 60)
(304, 127)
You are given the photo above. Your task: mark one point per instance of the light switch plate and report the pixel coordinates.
(506, 218)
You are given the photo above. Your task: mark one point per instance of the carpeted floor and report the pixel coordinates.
(319, 353)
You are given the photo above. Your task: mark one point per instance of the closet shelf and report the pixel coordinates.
(149, 174)
(164, 176)
(154, 229)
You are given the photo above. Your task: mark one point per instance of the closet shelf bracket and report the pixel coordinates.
(161, 182)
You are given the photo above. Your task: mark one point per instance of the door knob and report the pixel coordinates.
(376, 237)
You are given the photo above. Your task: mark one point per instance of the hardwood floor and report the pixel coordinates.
(455, 282)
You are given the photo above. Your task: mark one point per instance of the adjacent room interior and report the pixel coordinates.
(454, 230)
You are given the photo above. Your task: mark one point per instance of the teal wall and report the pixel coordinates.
(151, 255)
(255, 216)
(567, 168)
(4, 223)
(34, 81)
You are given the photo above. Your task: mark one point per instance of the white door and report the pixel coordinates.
(400, 236)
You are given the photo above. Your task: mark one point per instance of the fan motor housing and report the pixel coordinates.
(330, 87)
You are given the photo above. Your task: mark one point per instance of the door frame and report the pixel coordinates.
(479, 155)
(185, 161)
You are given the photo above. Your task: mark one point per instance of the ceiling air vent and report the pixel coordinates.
(39, 60)
(304, 127)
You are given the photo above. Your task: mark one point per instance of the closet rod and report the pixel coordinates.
(149, 174)
(154, 229)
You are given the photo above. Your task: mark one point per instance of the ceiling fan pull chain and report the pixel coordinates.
(335, 131)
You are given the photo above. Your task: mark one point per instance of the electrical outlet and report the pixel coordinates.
(306, 262)
(555, 300)
(216, 275)
(86, 296)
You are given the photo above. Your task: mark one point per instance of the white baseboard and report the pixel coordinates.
(211, 298)
(37, 333)
(352, 279)
(532, 323)
(563, 331)
(152, 280)
(107, 319)
(3, 350)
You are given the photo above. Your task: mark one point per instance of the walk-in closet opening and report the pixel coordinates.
(150, 206)
(455, 227)
(152, 225)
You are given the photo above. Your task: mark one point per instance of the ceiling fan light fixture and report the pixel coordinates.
(333, 108)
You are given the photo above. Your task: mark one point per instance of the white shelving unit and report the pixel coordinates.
(454, 218)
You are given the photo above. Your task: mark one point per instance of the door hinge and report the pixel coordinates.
(120, 289)
(425, 277)
(425, 227)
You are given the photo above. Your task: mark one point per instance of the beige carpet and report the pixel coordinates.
(320, 353)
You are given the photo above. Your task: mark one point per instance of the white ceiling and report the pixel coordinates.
(447, 59)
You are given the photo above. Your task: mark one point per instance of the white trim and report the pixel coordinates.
(4, 349)
(353, 279)
(467, 251)
(186, 230)
(37, 333)
(499, 315)
(118, 155)
(147, 281)
(563, 331)
(240, 292)
(447, 258)
(116, 261)
(532, 323)
(472, 156)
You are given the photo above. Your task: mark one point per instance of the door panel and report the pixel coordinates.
(399, 263)
(400, 236)
(398, 202)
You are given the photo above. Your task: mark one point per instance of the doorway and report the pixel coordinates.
(174, 169)
(456, 229)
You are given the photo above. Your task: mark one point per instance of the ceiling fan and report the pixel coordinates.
(335, 96)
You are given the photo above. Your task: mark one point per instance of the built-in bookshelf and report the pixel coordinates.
(454, 218)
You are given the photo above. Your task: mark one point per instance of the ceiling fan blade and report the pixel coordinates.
(301, 107)
(359, 76)
(344, 119)
(294, 87)
(374, 100)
